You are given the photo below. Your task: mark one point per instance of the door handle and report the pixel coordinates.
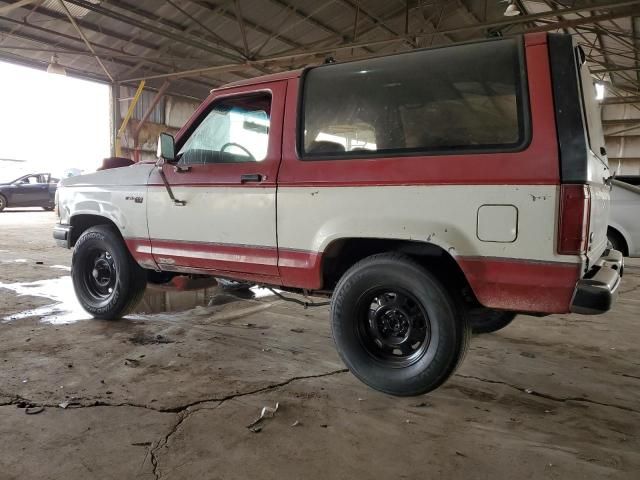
(251, 177)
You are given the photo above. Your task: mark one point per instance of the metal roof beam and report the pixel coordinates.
(308, 17)
(616, 68)
(621, 100)
(180, 38)
(67, 49)
(85, 40)
(12, 6)
(331, 48)
(85, 25)
(213, 7)
(217, 40)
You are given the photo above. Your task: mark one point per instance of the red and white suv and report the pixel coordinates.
(422, 191)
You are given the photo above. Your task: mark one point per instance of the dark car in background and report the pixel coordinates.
(32, 190)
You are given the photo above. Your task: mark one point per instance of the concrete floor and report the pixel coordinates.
(171, 395)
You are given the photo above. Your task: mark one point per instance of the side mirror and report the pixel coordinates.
(167, 147)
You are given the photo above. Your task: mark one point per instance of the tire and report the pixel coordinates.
(485, 320)
(396, 327)
(48, 209)
(107, 280)
(3, 203)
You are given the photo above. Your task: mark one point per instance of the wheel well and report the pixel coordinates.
(614, 233)
(82, 222)
(341, 254)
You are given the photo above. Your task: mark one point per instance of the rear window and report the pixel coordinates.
(466, 97)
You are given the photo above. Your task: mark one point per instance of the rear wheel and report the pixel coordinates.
(48, 208)
(3, 203)
(107, 280)
(395, 326)
(485, 320)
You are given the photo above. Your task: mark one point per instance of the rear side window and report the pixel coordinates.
(466, 97)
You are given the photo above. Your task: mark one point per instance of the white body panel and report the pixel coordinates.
(227, 215)
(111, 194)
(311, 218)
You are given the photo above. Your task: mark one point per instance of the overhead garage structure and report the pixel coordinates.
(182, 49)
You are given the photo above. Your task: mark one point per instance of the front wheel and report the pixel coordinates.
(107, 280)
(396, 327)
(3, 203)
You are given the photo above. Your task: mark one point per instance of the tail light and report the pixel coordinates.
(575, 207)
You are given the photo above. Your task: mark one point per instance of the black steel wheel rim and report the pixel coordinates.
(100, 275)
(393, 326)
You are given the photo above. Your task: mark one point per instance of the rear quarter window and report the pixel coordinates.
(468, 98)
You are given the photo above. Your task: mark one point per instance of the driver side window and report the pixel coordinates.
(32, 180)
(235, 130)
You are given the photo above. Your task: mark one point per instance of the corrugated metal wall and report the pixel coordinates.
(157, 116)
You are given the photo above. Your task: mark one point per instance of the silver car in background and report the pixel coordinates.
(624, 219)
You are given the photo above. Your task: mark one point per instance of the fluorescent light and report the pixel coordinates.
(511, 10)
(599, 91)
(54, 67)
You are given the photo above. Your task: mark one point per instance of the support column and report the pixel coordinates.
(115, 120)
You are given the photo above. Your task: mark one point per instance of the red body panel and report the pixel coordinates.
(537, 164)
(507, 283)
(228, 175)
(521, 285)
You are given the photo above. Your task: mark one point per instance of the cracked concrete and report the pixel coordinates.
(179, 409)
(553, 397)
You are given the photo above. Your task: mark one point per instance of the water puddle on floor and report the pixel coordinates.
(65, 308)
(61, 267)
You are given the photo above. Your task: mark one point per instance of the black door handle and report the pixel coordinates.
(251, 177)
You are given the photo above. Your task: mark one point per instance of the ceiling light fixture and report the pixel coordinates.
(54, 67)
(512, 10)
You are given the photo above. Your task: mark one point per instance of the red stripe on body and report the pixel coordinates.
(501, 283)
(216, 256)
(520, 285)
(140, 249)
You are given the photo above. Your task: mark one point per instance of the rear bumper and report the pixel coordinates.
(596, 292)
(62, 235)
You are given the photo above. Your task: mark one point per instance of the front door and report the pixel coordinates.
(32, 191)
(226, 173)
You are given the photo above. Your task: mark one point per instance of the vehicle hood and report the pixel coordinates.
(132, 175)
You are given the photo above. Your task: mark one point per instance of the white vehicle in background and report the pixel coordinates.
(624, 220)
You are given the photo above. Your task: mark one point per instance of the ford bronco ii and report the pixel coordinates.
(421, 191)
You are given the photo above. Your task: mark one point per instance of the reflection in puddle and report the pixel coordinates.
(61, 267)
(66, 309)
